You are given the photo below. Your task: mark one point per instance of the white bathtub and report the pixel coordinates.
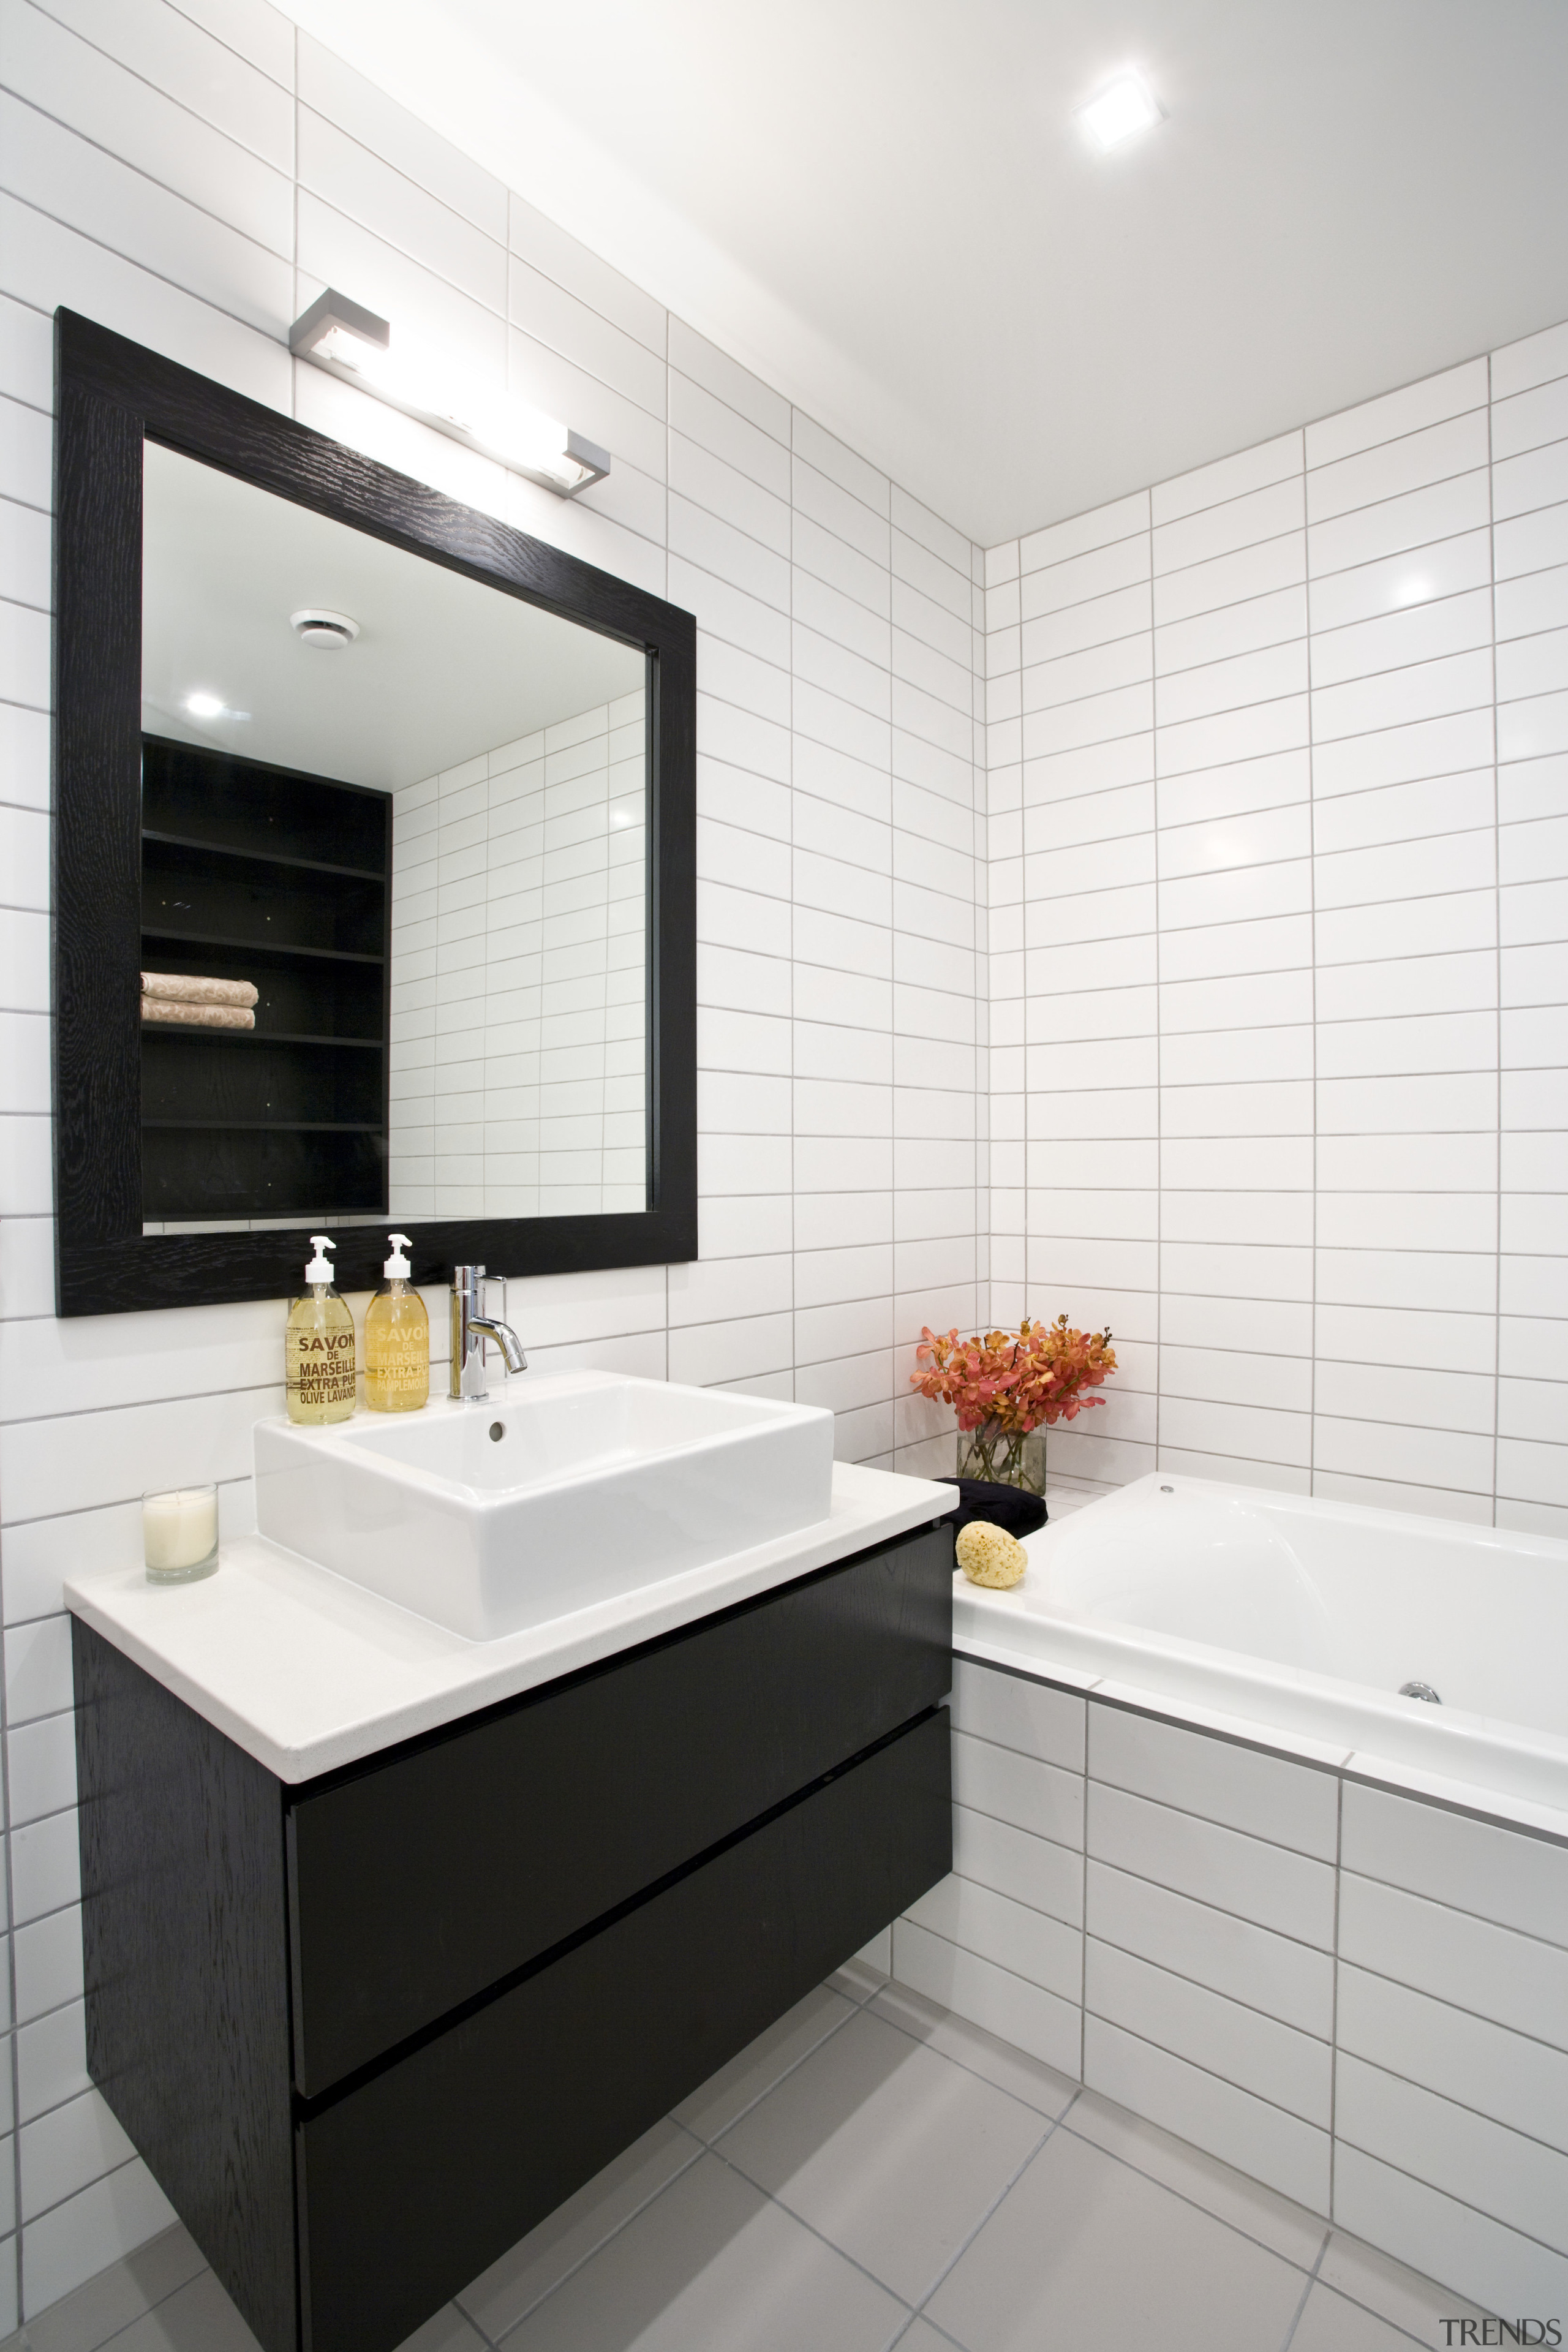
(1297, 1621)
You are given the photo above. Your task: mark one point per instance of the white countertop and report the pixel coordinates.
(306, 1671)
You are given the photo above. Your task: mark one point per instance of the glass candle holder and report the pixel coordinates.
(179, 1534)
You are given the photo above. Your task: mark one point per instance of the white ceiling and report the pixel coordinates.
(442, 670)
(885, 207)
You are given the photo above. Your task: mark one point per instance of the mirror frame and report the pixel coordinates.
(110, 396)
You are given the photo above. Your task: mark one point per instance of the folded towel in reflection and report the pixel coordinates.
(197, 1017)
(188, 989)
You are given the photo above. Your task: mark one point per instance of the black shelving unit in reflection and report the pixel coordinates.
(269, 874)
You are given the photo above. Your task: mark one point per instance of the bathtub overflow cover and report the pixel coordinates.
(1420, 1690)
(498, 1431)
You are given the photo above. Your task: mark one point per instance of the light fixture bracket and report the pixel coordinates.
(331, 312)
(355, 345)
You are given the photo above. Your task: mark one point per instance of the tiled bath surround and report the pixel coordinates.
(1356, 1997)
(192, 177)
(519, 956)
(1279, 794)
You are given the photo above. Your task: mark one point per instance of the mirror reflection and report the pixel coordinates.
(395, 885)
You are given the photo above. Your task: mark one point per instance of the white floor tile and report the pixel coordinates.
(1402, 2296)
(1276, 2222)
(890, 2149)
(1330, 2324)
(201, 2318)
(713, 2261)
(1085, 2250)
(87, 2319)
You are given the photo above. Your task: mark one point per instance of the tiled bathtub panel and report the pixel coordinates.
(1210, 1978)
(1033, 1870)
(1467, 2157)
(1284, 1978)
(1025, 1942)
(1496, 2267)
(1290, 1804)
(1021, 2012)
(1511, 1879)
(1512, 2078)
(1013, 1713)
(1274, 2062)
(1513, 1980)
(1259, 2139)
(1017, 1788)
(1268, 1883)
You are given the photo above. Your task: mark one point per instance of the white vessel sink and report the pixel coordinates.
(574, 1487)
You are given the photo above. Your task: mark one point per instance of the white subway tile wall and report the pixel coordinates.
(1275, 838)
(193, 176)
(1357, 1997)
(519, 985)
(1278, 832)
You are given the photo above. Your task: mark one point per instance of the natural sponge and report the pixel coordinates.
(989, 1555)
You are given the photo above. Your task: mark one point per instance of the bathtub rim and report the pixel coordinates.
(1111, 1660)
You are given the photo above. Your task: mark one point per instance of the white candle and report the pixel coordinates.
(179, 1528)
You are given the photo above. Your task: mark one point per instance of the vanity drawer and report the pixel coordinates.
(411, 2183)
(417, 1884)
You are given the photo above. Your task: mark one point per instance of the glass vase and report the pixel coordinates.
(1005, 1457)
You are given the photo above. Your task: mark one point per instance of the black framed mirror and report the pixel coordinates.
(374, 865)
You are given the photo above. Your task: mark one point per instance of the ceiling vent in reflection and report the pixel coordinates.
(332, 630)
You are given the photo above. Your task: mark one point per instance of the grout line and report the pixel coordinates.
(1181, 2194)
(1311, 2278)
(1167, 1967)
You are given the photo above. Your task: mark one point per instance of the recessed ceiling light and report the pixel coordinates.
(1122, 108)
(202, 705)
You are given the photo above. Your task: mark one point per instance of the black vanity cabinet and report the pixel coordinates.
(367, 2030)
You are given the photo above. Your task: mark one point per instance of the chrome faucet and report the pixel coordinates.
(471, 1328)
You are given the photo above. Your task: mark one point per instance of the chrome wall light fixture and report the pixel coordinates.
(351, 342)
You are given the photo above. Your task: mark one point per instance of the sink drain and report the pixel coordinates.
(1420, 1690)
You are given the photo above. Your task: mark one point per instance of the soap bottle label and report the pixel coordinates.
(319, 1367)
(397, 1358)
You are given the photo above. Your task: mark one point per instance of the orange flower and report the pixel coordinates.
(1015, 1379)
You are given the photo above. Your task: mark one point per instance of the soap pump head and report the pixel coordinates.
(319, 1270)
(397, 1266)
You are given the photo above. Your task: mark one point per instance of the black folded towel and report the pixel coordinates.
(1004, 1507)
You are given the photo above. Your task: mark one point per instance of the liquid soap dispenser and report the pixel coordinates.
(319, 1346)
(396, 1339)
